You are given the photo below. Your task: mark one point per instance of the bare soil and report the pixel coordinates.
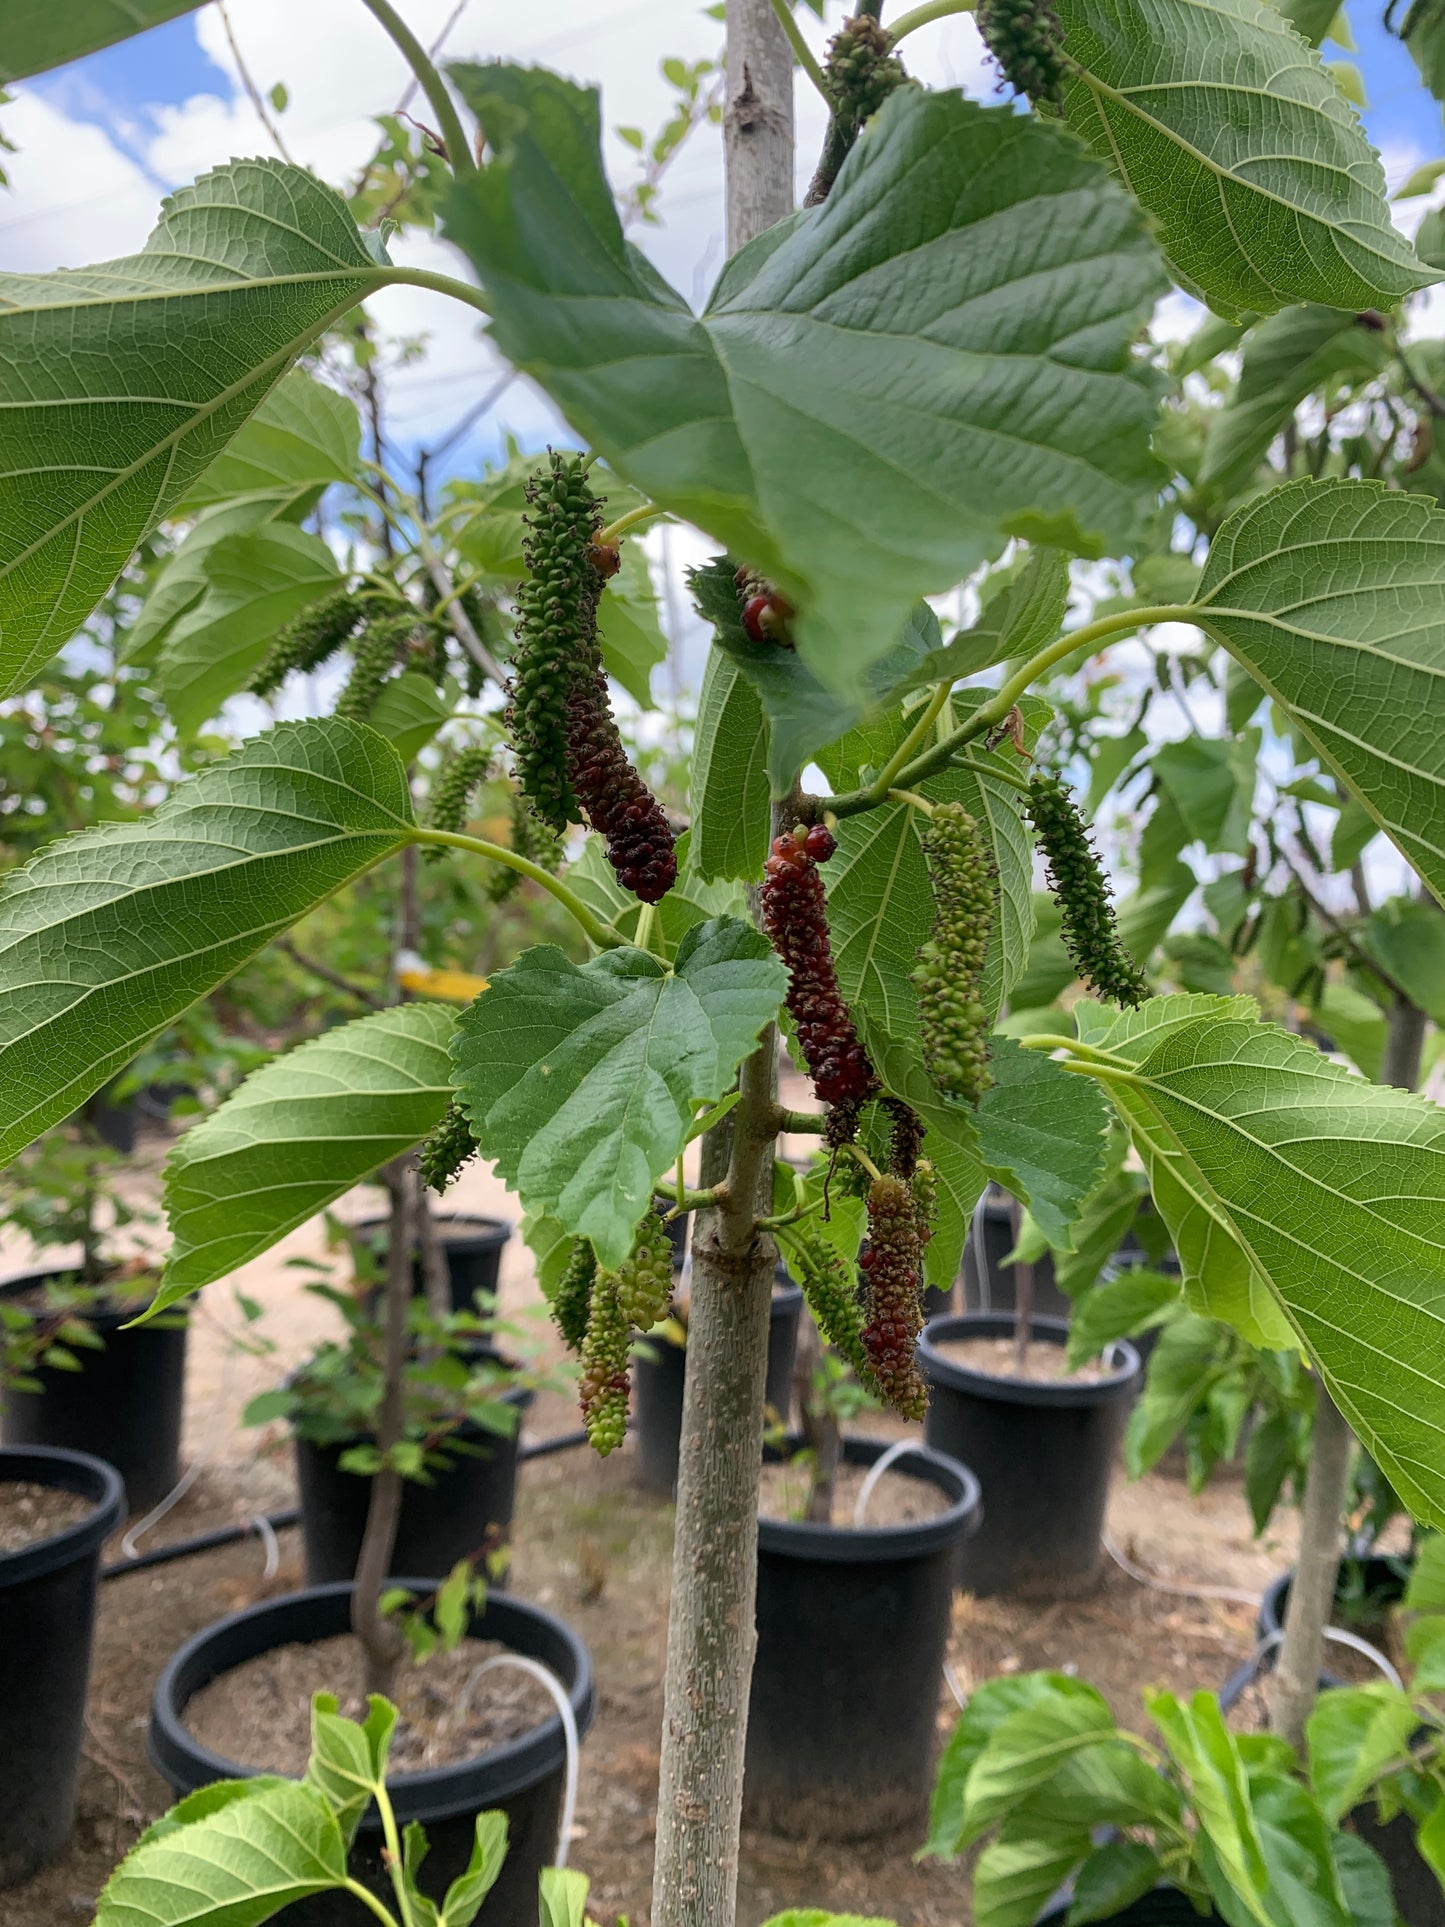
(997, 1358)
(259, 1713)
(896, 1500)
(30, 1512)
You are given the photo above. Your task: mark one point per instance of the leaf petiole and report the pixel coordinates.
(631, 520)
(924, 15)
(804, 54)
(604, 935)
(369, 1899)
(912, 799)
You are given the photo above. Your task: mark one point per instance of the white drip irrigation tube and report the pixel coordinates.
(1340, 1638)
(130, 1544)
(545, 1677)
(875, 1472)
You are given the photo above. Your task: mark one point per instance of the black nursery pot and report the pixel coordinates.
(525, 1778)
(658, 1379)
(464, 1512)
(472, 1247)
(124, 1405)
(992, 1287)
(47, 1617)
(1165, 1907)
(1043, 1454)
(852, 1631)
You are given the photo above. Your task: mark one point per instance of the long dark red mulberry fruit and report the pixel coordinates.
(891, 1265)
(795, 919)
(1076, 878)
(613, 797)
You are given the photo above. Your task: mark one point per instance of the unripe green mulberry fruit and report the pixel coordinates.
(379, 648)
(861, 72)
(308, 639)
(450, 1146)
(1026, 38)
(952, 1021)
(452, 792)
(831, 1288)
(1077, 881)
(644, 1279)
(893, 1271)
(605, 1350)
(572, 1300)
(530, 839)
(556, 632)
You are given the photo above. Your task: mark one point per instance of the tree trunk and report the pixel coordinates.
(821, 1433)
(1312, 1591)
(710, 1634)
(435, 1276)
(381, 1640)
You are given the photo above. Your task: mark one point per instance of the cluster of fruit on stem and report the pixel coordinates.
(953, 1023)
(570, 760)
(1026, 39)
(1081, 890)
(598, 1312)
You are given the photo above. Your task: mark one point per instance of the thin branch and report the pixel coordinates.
(328, 975)
(431, 53)
(1434, 403)
(1342, 930)
(252, 90)
(449, 124)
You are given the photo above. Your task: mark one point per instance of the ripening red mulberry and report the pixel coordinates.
(614, 799)
(605, 1348)
(891, 1265)
(905, 1140)
(796, 922)
(1076, 878)
(953, 1024)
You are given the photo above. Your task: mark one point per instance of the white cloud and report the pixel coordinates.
(75, 196)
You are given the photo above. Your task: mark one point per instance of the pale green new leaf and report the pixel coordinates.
(236, 1865)
(303, 437)
(411, 709)
(298, 1134)
(348, 1758)
(880, 905)
(1028, 1748)
(1023, 609)
(1332, 595)
(561, 1897)
(1352, 1733)
(729, 788)
(181, 580)
(466, 1893)
(881, 388)
(255, 584)
(1332, 1191)
(1207, 1754)
(1233, 136)
(627, 627)
(1041, 1136)
(581, 1083)
(1286, 357)
(1019, 1871)
(107, 936)
(122, 383)
(37, 34)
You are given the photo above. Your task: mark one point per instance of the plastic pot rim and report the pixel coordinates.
(435, 1793)
(453, 1228)
(103, 1316)
(85, 1475)
(947, 1372)
(870, 1545)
